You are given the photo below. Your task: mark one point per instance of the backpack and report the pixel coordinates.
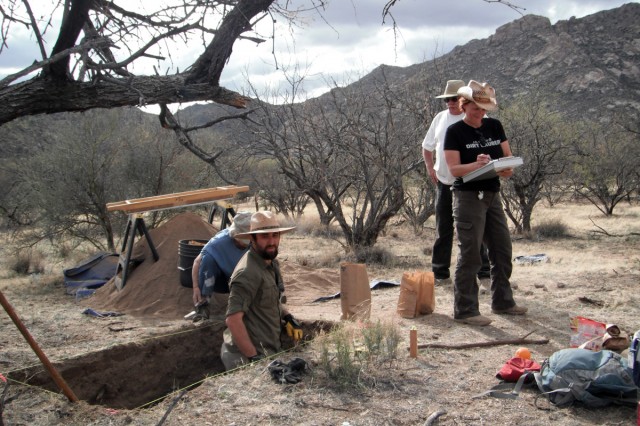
(595, 379)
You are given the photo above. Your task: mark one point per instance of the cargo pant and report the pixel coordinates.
(441, 254)
(480, 217)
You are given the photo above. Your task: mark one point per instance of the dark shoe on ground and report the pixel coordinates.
(514, 310)
(477, 320)
(483, 275)
(441, 276)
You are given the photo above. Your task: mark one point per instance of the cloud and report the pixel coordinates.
(346, 40)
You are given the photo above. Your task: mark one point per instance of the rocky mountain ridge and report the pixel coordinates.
(589, 65)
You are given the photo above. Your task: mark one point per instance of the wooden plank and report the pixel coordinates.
(137, 201)
(177, 199)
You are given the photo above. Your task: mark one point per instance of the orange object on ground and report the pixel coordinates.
(523, 353)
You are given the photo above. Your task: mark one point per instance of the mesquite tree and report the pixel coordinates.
(100, 42)
(540, 136)
(349, 153)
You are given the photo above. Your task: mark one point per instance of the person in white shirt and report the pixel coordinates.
(440, 175)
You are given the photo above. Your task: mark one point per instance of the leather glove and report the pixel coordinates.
(294, 329)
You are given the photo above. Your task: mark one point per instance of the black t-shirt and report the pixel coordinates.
(470, 142)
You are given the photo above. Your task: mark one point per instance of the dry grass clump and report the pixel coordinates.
(551, 228)
(313, 228)
(27, 261)
(352, 354)
(372, 255)
(320, 260)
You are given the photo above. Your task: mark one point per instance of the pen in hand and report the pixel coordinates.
(483, 158)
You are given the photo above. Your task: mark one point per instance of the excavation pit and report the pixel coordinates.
(141, 373)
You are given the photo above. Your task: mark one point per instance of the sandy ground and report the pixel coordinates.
(588, 274)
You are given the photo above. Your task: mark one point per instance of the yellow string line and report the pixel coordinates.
(157, 337)
(59, 360)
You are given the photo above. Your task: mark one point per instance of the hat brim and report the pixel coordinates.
(265, 231)
(455, 95)
(467, 93)
(486, 106)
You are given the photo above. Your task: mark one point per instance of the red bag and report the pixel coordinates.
(516, 367)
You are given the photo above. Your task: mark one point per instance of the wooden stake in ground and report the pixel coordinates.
(57, 378)
(413, 342)
(519, 341)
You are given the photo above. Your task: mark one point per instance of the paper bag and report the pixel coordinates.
(355, 293)
(417, 295)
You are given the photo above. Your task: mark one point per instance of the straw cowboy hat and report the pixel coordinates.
(451, 89)
(264, 222)
(240, 224)
(482, 95)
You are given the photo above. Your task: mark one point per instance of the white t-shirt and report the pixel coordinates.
(434, 141)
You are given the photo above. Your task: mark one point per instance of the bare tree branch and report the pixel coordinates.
(91, 44)
(35, 30)
(62, 85)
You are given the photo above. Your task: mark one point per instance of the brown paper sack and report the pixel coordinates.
(417, 295)
(355, 293)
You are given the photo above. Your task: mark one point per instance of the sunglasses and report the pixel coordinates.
(452, 98)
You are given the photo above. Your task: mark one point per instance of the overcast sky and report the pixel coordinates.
(350, 39)
(355, 41)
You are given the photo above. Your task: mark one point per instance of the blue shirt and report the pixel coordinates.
(219, 258)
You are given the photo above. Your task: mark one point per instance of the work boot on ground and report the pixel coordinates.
(477, 320)
(441, 275)
(514, 310)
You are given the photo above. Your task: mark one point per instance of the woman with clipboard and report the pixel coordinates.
(477, 206)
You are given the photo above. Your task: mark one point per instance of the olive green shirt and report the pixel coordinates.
(254, 290)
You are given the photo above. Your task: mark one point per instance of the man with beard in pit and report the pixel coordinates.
(255, 313)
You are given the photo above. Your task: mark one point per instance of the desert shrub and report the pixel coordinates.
(20, 263)
(351, 354)
(381, 340)
(372, 255)
(64, 250)
(27, 261)
(553, 228)
(320, 260)
(312, 227)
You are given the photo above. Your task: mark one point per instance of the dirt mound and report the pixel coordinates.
(303, 285)
(153, 288)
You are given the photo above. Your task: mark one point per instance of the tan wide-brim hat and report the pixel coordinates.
(241, 224)
(482, 95)
(264, 222)
(451, 89)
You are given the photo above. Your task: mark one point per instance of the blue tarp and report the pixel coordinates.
(101, 314)
(91, 273)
